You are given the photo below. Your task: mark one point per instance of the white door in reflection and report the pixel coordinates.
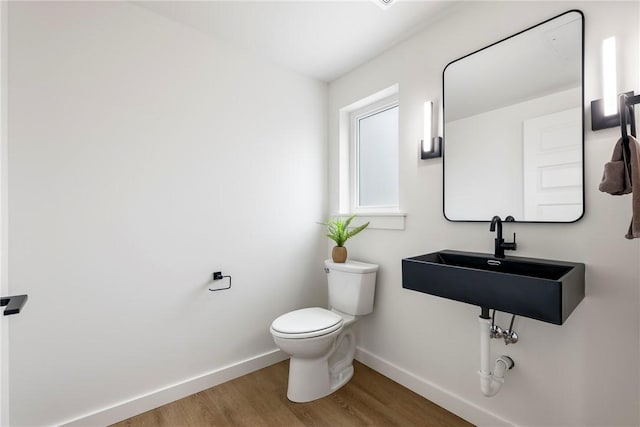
(553, 167)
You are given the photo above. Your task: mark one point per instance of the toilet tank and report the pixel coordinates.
(352, 285)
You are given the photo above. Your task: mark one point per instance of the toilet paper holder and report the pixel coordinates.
(218, 276)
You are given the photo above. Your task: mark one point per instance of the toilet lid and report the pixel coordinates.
(306, 323)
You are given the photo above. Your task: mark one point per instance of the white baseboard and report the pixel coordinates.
(131, 407)
(146, 402)
(444, 398)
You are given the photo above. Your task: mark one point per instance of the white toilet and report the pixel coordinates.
(320, 341)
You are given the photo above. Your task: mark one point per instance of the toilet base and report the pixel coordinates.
(308, 380)
(311, 379)
(341, 378)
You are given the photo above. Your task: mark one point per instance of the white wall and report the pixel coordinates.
(4, 289)
(585, 372)
(143, 156)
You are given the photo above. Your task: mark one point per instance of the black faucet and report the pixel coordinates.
(500, 244)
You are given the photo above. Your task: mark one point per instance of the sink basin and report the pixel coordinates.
(536, 288)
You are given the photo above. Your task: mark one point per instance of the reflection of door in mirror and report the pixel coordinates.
(552, 164)
(528, 85)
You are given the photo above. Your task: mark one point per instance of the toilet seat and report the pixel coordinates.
(306, 323)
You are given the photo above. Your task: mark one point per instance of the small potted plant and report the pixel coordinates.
(338, 231)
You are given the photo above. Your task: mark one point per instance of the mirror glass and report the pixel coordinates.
(513, 120)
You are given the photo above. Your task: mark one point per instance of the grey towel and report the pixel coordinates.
(616, 179)
(634, 227)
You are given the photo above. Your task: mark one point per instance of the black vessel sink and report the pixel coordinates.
(537, 288)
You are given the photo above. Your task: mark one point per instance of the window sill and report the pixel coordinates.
(380, 221)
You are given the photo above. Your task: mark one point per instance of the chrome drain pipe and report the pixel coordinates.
(490, 381)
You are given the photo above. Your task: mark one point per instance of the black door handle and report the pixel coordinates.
(14, 304)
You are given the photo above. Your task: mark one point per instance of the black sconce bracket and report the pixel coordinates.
(599, 121)
(435, 148)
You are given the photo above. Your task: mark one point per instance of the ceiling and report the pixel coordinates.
(319, 39)
(543, 60)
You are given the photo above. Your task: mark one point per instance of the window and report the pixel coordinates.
(369, 184)
(375, 152)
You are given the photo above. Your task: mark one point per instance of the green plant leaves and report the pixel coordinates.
(338, 229)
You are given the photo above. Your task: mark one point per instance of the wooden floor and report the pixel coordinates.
(259, 399)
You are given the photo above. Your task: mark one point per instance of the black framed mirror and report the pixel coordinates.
(513, 126)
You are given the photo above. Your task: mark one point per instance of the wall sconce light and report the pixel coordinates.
(609, 83)
(604, 112)
(430, 147)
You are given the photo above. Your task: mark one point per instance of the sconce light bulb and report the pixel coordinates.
(428, 118)
(609, 86)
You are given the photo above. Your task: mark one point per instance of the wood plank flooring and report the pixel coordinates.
(259, 399)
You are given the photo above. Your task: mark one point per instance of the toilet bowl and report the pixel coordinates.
(319, 341)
